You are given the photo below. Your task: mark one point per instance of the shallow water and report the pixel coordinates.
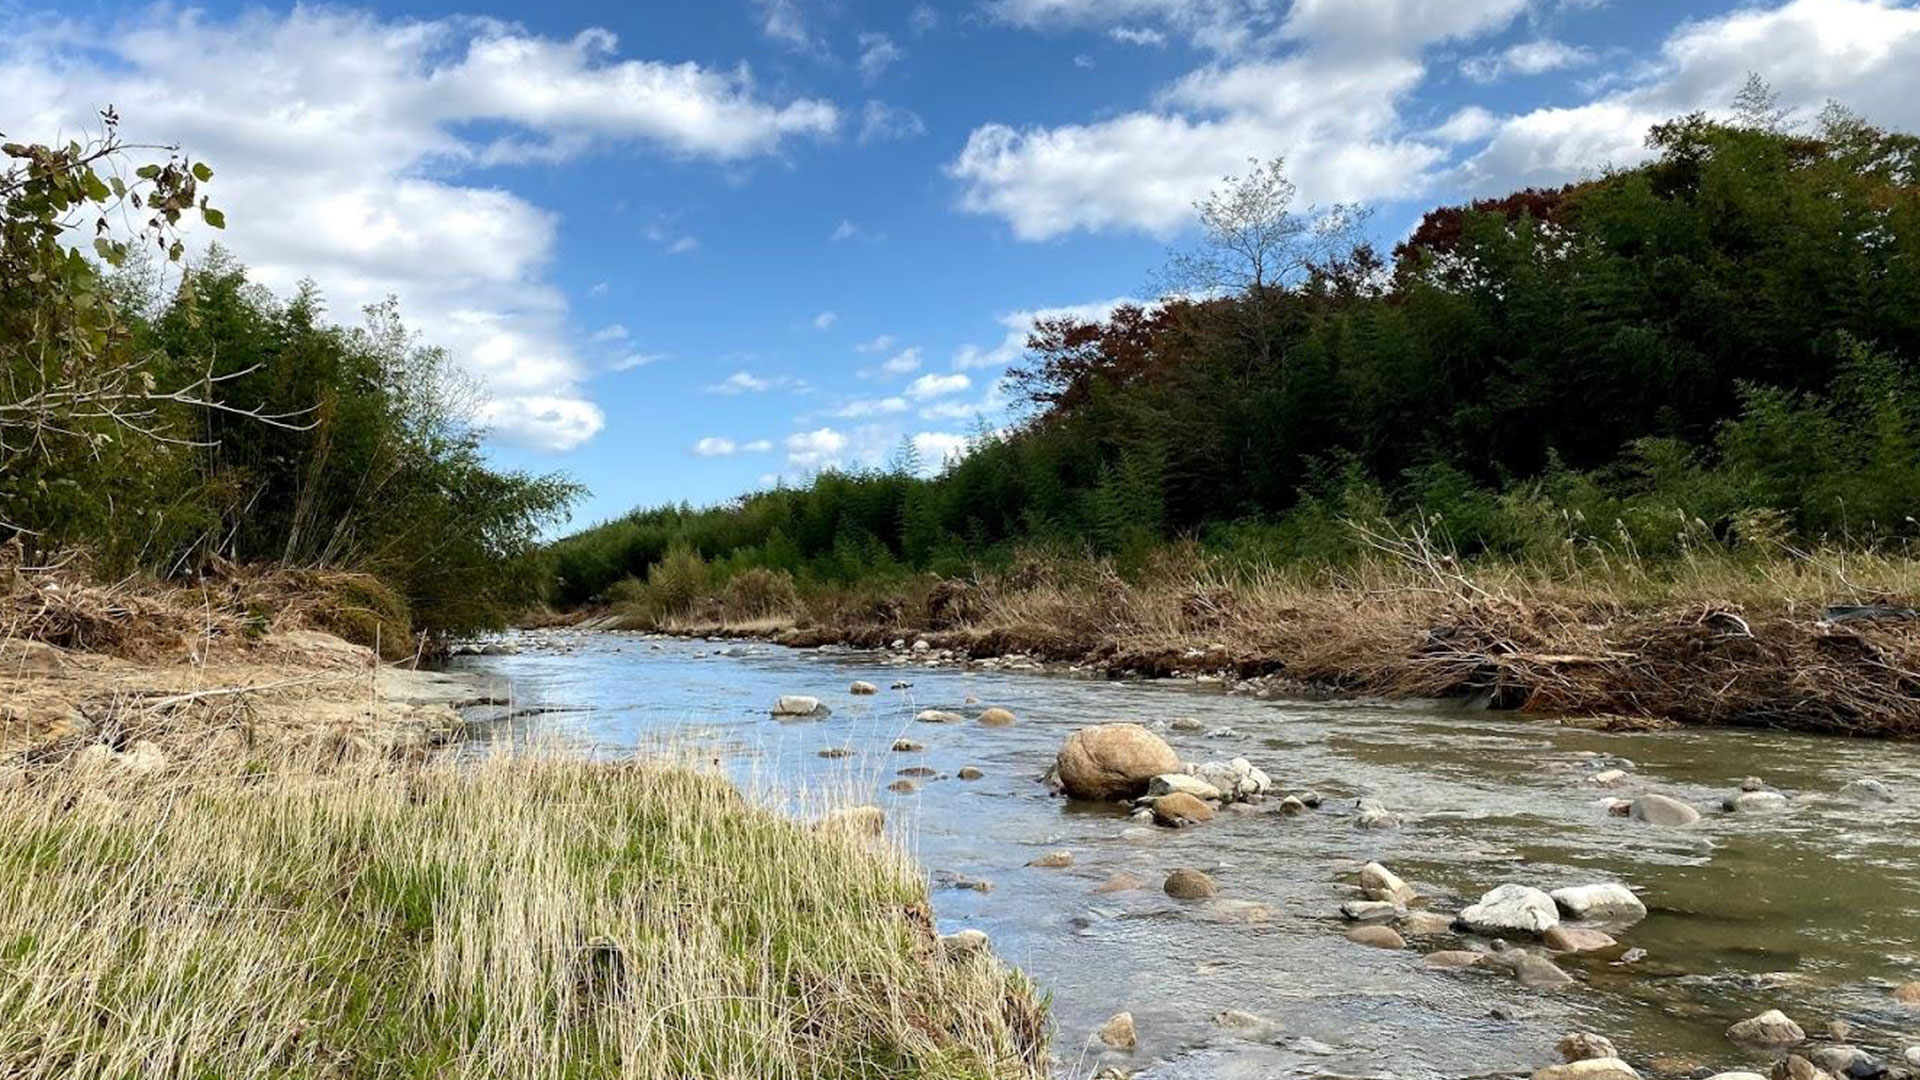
(1814, 910)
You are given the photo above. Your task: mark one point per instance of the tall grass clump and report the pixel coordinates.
(521, 916)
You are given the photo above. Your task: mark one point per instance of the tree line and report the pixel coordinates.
(1717, 347)
(166, 416)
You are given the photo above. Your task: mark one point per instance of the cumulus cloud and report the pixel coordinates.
(868, 446)
(933, 386)
(818, 449)
(878, 345)
(904, 362)
(341, 137)
(866, 407)
(1864, 53)
(614, 332)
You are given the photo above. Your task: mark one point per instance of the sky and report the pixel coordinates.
(696, 247)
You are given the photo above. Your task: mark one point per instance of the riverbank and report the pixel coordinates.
(232, 843)
(1826, 642)
(517, 917)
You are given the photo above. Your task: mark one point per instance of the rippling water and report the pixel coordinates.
(1815, 910)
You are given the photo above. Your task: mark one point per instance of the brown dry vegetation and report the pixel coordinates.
(1707, 639)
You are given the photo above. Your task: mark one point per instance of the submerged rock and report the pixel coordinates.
(1867, 790)
(862, 689)
(1053, 860)
(1425, 923)
(1577, 940)
(1847, 1061)
(1370, 910)
(1113, 761)
(1606, 1068)
(1180, 809)
(1119, 1033)
(1511, 909)
(903, 787)
(798, 705)
(907, 746)
(1452, 958)
(1379, 937)
(1606, 902)
(1120, 882)
(1907, 993)
(1373, 814)
(1748, 802)
(1188, 884)
(996, 718)
(1655, 809)
(968, 772)
(1237, 780)
(1770, 1028)
(1291, 806)
(939, 716)
(1795, 1067)
(1585, 1046)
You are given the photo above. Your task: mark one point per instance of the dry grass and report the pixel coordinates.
(521, 916)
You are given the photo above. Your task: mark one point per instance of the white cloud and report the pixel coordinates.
(1535, 57)
(992, 403)
(924, 19)
(1020, 326)
(598, 290)
(825, 320)
(746, 382)
(881, 122)
(933, 385)
(635, 360)
(877, 54)
(1335, 120)
(1467, 125)
(850, 230)
(1863, 53)
(1084, 62)
(1221, 25)
(865, 407)
(877, 345)
(902, 363)
(339, 139)
(1144, 36)
(818, 449)
(939, 449)
(781, 21)
(614, 332)
(721, 446)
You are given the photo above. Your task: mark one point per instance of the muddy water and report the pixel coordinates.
(1815, 910)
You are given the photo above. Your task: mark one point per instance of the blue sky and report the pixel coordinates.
(688, 247)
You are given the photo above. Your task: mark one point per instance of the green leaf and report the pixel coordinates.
(96, 190)
(147, 172)
(119, 187)
(201, 172)
(214, 217)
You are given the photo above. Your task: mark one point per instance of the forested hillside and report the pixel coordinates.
(1715, 350)
(167, 416)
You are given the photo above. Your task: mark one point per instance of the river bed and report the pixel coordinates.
(1814, 909)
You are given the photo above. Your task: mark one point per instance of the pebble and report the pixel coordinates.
(836, 752)
(903, 787)
(907, 746)
(1770, 1028)
(918, 770)
(968, 772)
(1379, 937)
(1452, 958)
(1119, 1033)
(1053, 860)
(1187, 884)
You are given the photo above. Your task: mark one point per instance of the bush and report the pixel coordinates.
(760, 593)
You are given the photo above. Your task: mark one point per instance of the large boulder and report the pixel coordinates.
(1606, 902)
(1512, 909)
(1113, 761)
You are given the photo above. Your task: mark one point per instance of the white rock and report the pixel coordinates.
(1748, 802)
(940, 716)
(1608, 902)
(1770, 1028)
(1661, 810)
(1512, 909)
(796, 705)
(1169, 783)
(1379, 883)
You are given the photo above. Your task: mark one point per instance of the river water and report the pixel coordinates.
(1814, 909)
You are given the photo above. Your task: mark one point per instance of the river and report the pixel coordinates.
(1814, 909)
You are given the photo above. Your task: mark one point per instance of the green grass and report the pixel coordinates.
(518, 917)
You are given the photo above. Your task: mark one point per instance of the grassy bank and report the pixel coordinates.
(512, 918)
(1709, 638)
